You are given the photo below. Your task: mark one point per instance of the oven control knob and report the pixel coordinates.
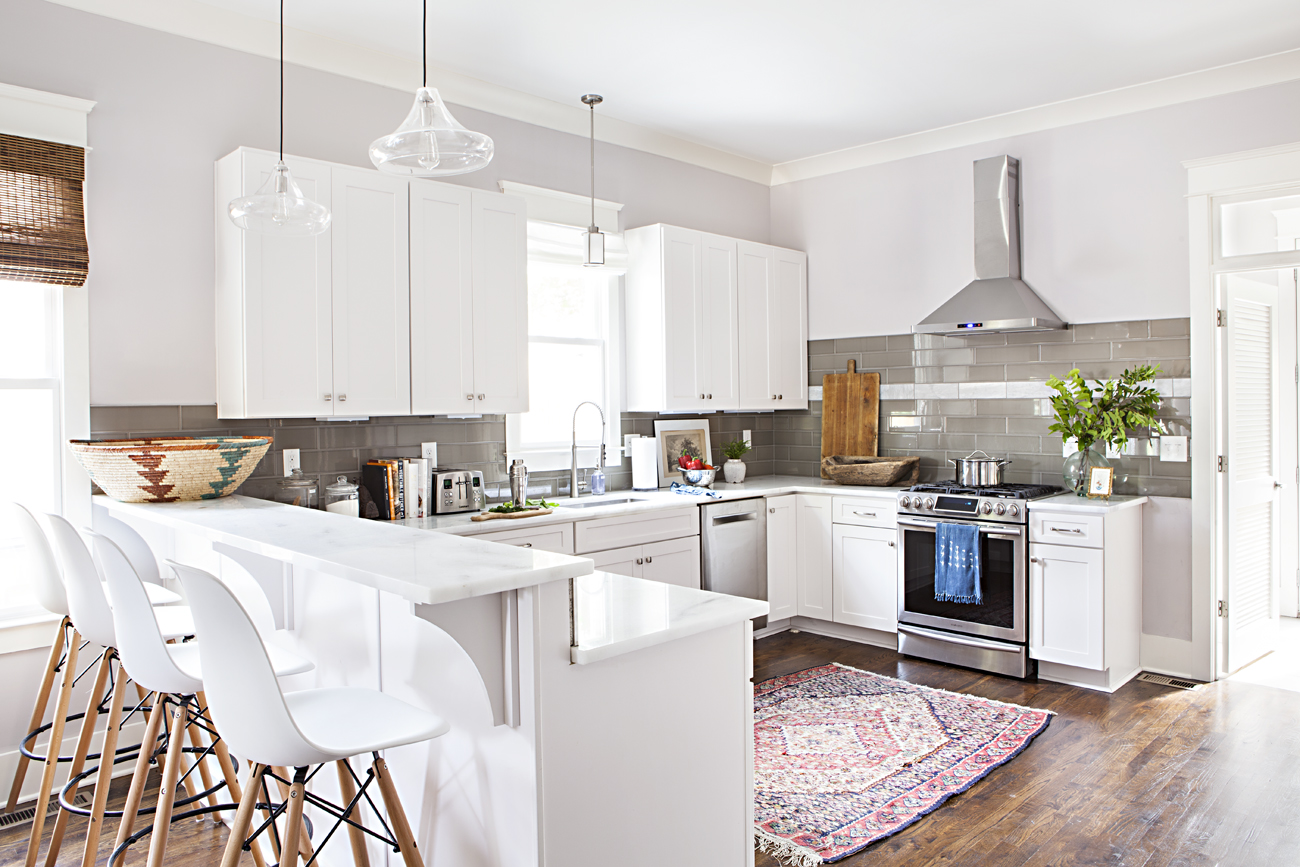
(929, 503)
(904, 502)
(1015, 510)
(986, 508)
(1002, 508)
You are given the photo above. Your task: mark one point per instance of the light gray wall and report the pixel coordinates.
(169, 106)
(1104, 219)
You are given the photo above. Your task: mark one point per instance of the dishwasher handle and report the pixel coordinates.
(732, 519)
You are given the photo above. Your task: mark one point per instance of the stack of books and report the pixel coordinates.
(399, 487)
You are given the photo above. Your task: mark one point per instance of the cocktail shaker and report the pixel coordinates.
(518, 483)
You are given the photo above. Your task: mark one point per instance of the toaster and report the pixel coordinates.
(457, 490)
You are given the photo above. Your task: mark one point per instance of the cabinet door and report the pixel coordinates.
(753, 294)
(620, 561)
(1067, 605)
(676, 561)
(721, 358)
(557, 538)
(683, 311)
(782, 558)
(787, 328)
(442, 312)
(500, 279)
(287, 318)
(371, 293)
(813, 575)
(865, 570)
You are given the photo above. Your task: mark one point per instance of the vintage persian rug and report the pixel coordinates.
(844, 757)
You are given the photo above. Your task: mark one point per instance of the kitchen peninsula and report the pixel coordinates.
(570, 737)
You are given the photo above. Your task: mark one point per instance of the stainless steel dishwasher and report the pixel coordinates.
(734, 549)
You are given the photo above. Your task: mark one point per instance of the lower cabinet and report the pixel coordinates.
(782, 558)
(557, 538)
(813, 556)
(675, 561)
(1067, 593)
(864, 573)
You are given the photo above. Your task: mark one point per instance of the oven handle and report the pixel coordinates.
(982, 644)
(991, 532)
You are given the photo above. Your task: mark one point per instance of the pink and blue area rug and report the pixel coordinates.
(844, 757)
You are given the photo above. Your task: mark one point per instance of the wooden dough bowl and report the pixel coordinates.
(880, 472)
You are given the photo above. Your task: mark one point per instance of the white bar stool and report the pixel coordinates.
(173, 672)
(298, 729)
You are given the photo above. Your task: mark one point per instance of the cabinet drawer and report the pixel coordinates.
(1064, 528)
(557, 538)
(866, 512)
(604, 534)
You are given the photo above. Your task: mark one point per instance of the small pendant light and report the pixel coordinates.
(430, 142)
(279, 207)
(595, 254)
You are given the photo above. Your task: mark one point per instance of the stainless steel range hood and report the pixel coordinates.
(998, 300)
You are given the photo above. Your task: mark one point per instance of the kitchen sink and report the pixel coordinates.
(591, 504)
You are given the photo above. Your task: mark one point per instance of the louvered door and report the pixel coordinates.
(1250, 352)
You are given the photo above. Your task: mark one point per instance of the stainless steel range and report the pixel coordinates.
(993, 635)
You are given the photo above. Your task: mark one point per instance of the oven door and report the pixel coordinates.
(1003, 563)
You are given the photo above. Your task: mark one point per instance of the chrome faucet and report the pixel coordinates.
(573, 470)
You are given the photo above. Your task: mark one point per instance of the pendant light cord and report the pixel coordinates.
(281, 80)
(593, 162)
(424, 45)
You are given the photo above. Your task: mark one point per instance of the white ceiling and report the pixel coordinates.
(779, 81)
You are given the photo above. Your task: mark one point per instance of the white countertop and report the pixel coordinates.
(647, 501)
(421, 567)
(1074, 503)
(616, 614)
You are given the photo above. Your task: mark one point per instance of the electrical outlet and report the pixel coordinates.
(1069, 447)
(429, 451)
(749, 441)
(1173, 449)
(292, 461)
(627, 444)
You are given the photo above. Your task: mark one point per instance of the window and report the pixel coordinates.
(573, 354)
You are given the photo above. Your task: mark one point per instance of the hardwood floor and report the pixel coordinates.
(1147, 777)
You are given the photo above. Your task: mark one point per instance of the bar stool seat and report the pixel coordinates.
(158, 595)
(174, 621)
(341, 722)
(285, 663)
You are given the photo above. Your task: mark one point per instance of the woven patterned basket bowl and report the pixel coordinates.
(168, 469)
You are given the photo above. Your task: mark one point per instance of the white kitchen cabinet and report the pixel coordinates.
(625, 531)
(500, 279)
(782, 558)
(676, 561)
(557, 538)
(686, 348)
(813, 572)
(864, 572)
(1068, 598)
(772, 309)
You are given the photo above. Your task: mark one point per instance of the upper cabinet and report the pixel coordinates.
(414, 301)
(714, 323)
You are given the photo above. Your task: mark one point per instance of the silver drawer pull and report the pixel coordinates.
(731, 519)
(1071, 530)
(649, 559)
(639, 561)
(526, 545)
(865, 514)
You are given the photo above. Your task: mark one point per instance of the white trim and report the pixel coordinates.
(195, 20)
(1244, 171)
(28, 633)
(1218, 80)
(566, 209)
(45, 116)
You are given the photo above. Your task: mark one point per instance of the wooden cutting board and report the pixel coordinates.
(850, 413)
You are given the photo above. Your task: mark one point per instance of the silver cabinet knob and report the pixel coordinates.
(892, 545)
(480, 397)
(701, 397)
(710, 397)
(526, 545)
(1033, 559)
(343, 397)
(773, 511)
(780, 397)
(639, 561)
(774, 397)
(327, 397)
(469, 397)
(649, 559)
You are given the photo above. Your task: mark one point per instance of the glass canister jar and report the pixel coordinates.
(342, 497)
(297, 490)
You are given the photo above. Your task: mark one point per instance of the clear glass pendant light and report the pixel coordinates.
(595, 239)
(430, 142)
(279, 207)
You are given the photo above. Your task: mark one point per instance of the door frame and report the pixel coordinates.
(1211, 180)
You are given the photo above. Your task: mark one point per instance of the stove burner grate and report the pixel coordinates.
(1004, 492)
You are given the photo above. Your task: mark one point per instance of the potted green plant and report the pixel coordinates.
(1101, 415)
(734, 469)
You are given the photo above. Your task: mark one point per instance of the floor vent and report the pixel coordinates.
(1175, 682)
(26, 814)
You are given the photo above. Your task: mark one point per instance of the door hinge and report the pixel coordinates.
(1221, 462)
(1221, 318)
(1223, 608)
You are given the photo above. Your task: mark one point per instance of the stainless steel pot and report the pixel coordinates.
(979, 472)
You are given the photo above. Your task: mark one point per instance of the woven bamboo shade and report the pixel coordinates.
(42, 215)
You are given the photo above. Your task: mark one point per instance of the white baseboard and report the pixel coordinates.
(860, 634)
(1070, 675)
(131, 734)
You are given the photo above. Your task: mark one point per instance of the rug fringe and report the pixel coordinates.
(788, 853)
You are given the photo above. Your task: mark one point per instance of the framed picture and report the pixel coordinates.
(1100, 481)
(677, 437)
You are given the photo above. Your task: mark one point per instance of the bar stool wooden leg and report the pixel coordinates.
(294, 833)
(396, 815)
(105, 776)
(52, 752)
(272, 832)
(38, 710)
(357, 837)
(304, 841)
(79, 755)
(232, 783)
(162, 817)
(243, 818)
(140, 777)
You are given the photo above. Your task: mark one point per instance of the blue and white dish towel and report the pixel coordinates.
(957, 564)
(679, 488)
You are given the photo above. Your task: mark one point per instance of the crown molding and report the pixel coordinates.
(199, 21)
(45, 116)
(1229, 78)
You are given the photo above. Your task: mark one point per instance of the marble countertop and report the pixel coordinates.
(421, 567)
(616, 614)
(1074, 503)
(646, 501)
